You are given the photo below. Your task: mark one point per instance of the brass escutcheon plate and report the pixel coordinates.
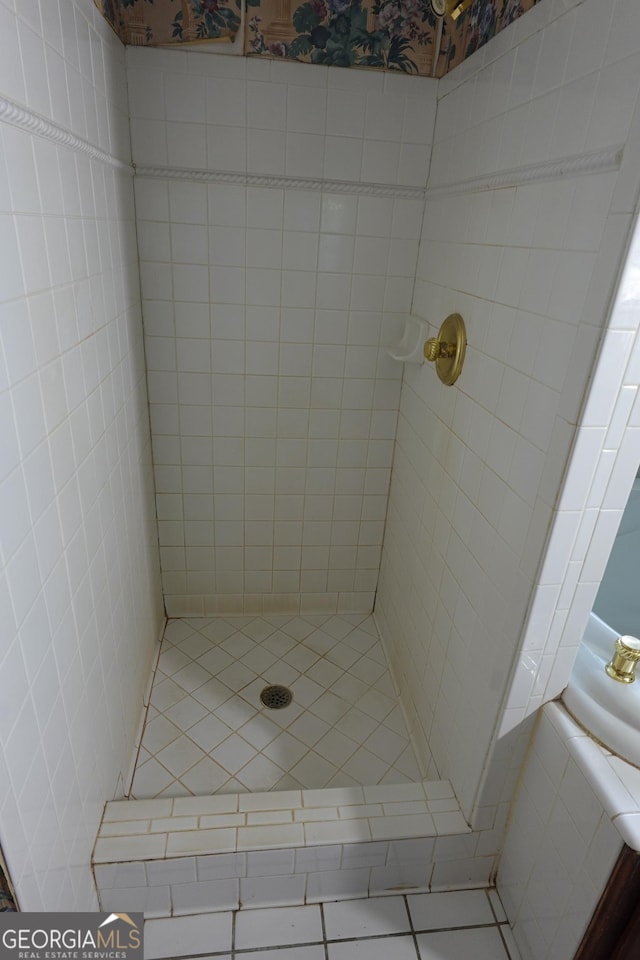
(448, 349)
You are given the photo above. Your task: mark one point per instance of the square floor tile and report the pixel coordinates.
(209, 732)
(320, 642)
(219, 666)
(357, 725)
(178, 630)
(259, 731)
(335, 747)
(191, 676)
(324, 673)
(386, 744)
(308, 728)
(360, 640)
(365, 918)
(236, 676)
(367, 670)
(278, 926)
(195, 645)
(149, 780)
(343, 656)
(301, 658)
(365, 767)
(171, 660)
(237, 645)
(286, 751)
(258, 660)
(183, 936)
(260, 774)
(205, 777)
(329, 707)
(212, 694)
(278, 644)
(159, 733)
(185, 713)
(218, 630)
(386, 948)
(235, 712)
(165, 693)
(215, 660)
(298, 628)
(233, 753)
(313, 769)
(457, 908)
(479, 943)
(180, 755)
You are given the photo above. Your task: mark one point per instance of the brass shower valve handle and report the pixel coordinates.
(434, 349)
(622, 666)
(448, 348)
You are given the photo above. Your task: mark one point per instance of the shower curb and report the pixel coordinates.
(170, 856)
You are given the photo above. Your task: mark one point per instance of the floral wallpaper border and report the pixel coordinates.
(400, 35)
(159, 22)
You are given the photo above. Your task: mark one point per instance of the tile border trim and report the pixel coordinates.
(594, 162)
(597, 161)
(25, 119)
(291, 183)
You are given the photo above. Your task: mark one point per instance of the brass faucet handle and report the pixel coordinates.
(622, 666)
(432, 349)
(448, 348)
(435, 349)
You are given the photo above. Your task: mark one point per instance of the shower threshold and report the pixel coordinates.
(235, 804)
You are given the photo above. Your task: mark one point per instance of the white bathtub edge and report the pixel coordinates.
(615, 782)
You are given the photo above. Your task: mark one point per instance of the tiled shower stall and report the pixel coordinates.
(287, 218)
(267, 310)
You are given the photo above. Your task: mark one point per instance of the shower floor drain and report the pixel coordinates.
(276, 697)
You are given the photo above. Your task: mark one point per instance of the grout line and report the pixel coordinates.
(504, 942)
(234, 915)
(324, 931)
(376, 936)
(413, 932)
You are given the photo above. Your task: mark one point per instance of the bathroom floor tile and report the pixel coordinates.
(278, 926)
(184, 936)
(459, 908)
(400, 948)
(207, 730)
(374, 928)
(481, 943)
(366, 918)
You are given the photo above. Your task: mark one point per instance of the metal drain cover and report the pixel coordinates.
(276, 697)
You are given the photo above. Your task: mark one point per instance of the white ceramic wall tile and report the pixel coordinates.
(272, 269)
(557, 856)
(477, 473)
(76, 509)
